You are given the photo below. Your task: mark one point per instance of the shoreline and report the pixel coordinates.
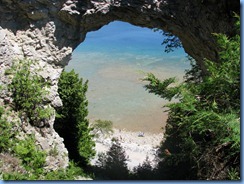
(137, 148)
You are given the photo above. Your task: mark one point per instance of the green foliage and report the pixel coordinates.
(85, 142)
(112, 165)
(54, 151)
(203, 128)
(71, 121)
(144, 171)
(224, 80)
(233, 133)
(28, 91)
(6, 133)
(234, 174)
(193, 75)
(69, 173)
(170, 41)
(17, 176)
(32, 159)
(161, 88)
(104, 127)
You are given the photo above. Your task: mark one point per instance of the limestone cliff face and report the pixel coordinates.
(48, 30)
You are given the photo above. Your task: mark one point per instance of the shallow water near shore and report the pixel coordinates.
(114, 60)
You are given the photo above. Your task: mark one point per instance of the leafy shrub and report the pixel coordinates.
(6, 133)
(203, 128)
(69, 173)
(32, 159)
(28, 91)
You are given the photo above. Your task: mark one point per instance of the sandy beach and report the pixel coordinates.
(137, 148)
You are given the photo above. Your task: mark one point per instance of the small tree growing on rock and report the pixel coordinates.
(71, 121)
(28, 92)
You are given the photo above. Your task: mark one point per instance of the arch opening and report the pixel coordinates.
(114, 59)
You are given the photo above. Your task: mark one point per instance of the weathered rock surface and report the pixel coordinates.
(48, 31)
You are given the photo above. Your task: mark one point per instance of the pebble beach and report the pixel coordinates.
(137, 145)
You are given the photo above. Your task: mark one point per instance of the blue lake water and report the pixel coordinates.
(114, 59)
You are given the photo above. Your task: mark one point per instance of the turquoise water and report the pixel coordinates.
(114, 59)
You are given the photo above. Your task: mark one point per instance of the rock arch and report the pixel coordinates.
(49, 30)
(62, 25)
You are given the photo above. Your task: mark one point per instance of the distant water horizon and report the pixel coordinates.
(114, 59)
